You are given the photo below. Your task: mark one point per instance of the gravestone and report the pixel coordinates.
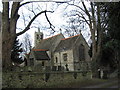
(59, 68)
(47, 74)
(47, 68)
(54, 68)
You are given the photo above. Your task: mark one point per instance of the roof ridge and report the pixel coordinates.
(39, 49)
(70, 37)
(51, 36)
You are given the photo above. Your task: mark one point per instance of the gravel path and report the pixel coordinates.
(110, 84)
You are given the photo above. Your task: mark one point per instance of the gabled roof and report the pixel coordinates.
(41, 55)
(66, 43)
(49, 43)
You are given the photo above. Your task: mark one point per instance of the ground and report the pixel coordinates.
(112, 83)
(55, 80)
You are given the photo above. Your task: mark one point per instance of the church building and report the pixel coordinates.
(70, 54)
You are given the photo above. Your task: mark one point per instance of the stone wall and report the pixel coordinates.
(38, 63)
(63, 63)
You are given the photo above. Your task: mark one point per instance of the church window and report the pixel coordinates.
(81, 52)
(37, 36)
(43, 63)
(65, 56)
(41, 36)
(56, 60)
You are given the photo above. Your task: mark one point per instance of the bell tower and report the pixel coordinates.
(38, 37)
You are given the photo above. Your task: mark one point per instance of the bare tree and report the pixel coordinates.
(27, 43)
(92, 17)
(9, 22)
(73, 27)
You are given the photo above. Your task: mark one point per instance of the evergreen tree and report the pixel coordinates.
(111, 40)
(16, 51)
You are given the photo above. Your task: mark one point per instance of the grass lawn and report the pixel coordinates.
(57, 80)
(76, 83)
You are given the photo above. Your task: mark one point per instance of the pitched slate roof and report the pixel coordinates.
(66, 43)
(49, 43)
(41, 55)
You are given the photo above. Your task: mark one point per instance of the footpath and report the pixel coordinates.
(108, 84)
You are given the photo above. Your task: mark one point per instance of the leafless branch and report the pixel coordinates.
(44, 1)
(104, 25)
(86, 11)
(29, 24)
(24, 19)
(39, 8)
(76, 6)
(15, 8)
(24, 4)
(31, 9)
(27, 43)
(51, 26)
(19, 28)
(83, 18)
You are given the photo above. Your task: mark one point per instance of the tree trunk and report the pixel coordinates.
(5, 36)
(100, 35)
(96, 39)
(8, 33)
(93, 31)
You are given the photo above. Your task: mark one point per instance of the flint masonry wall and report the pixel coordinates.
(69, 61)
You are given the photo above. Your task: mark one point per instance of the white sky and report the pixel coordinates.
(0, 5)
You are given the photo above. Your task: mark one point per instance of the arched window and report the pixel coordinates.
(37, 36)
(81, 52)
(56, 60)
(43, 63)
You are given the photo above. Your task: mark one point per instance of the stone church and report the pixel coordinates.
(70, 54)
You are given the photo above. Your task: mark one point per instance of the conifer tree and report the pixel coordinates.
(16, 51)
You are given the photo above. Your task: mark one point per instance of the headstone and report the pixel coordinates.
(75, 75)
(101, 73)
(59, 68)
(47, 76)
(66, 67)
(105, 74)
(47, 68)
(54, 68)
